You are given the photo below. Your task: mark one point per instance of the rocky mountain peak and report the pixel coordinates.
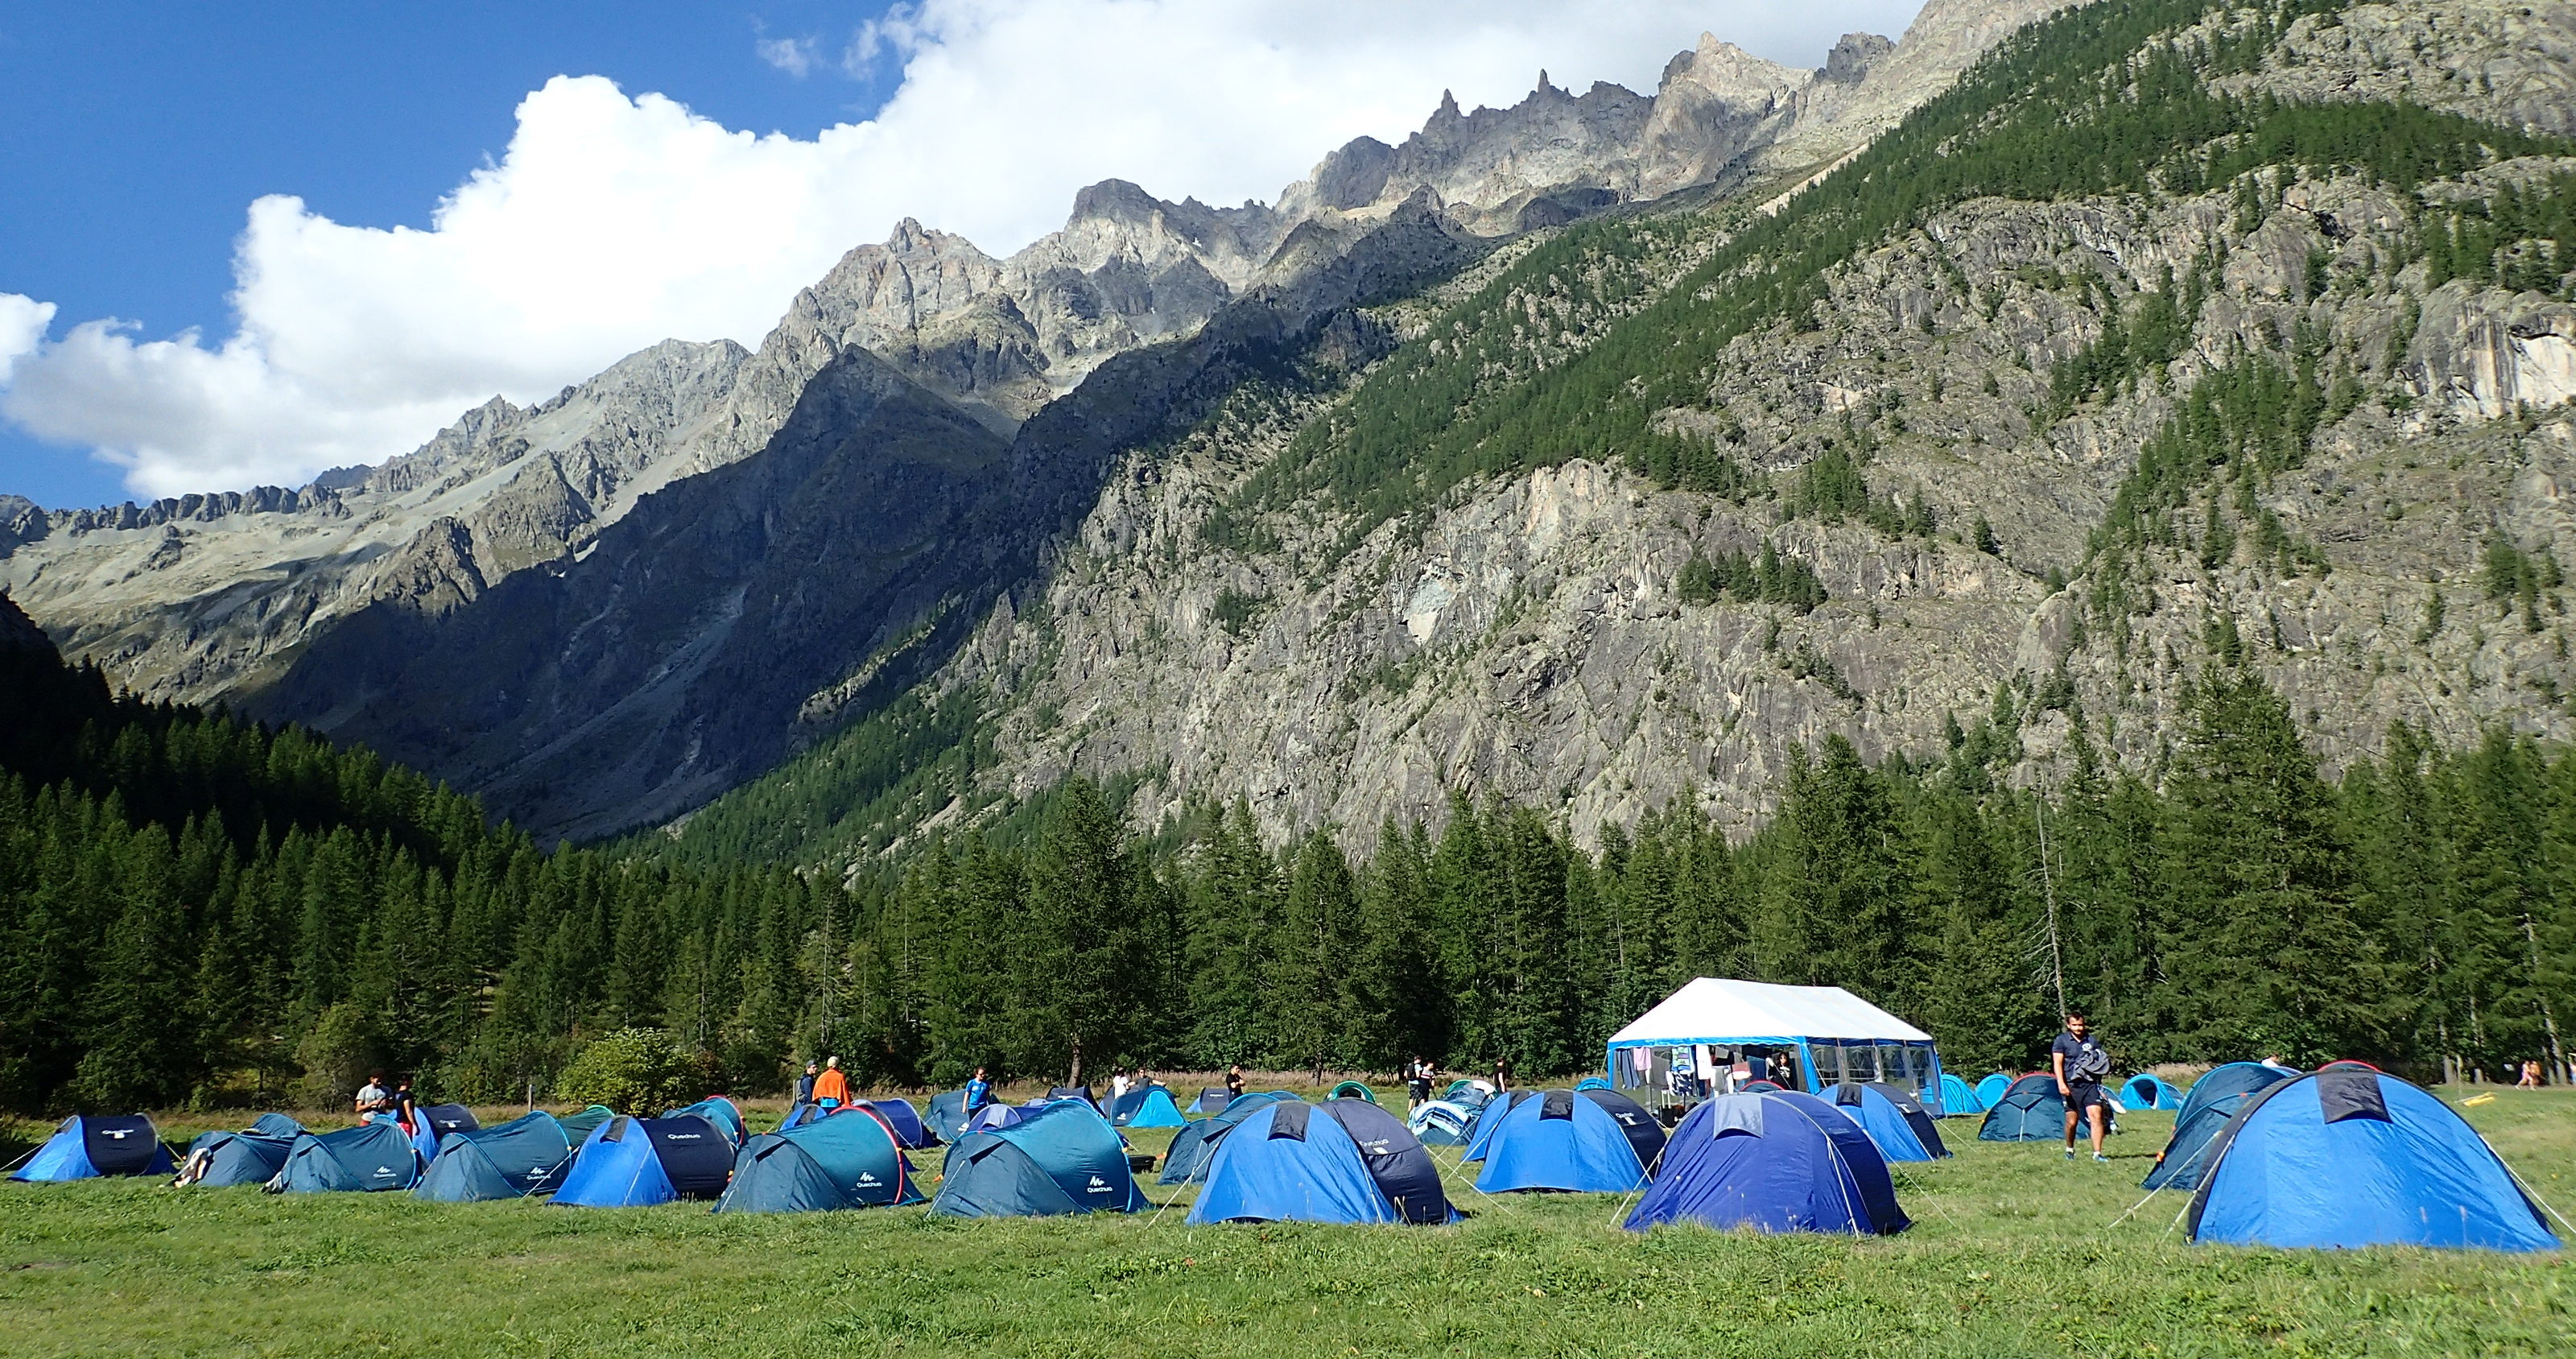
(1852, 58)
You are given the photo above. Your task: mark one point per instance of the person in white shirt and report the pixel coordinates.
(1117, 1085)
(374, 1100)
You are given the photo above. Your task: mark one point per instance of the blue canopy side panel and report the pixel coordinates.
(1645, 1135)
(2342, 1159)
(1559, 1140)
(1063, 1158)
(616, 1168)
(850, 1160)
(989, 1177)
(1290, 1163)
(527, 1155)
(1879, 1119)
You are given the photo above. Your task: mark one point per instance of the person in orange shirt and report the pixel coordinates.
(831, 1089)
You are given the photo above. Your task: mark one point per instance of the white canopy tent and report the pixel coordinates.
(1836, 1035)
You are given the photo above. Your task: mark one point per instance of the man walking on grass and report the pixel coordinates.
(2081, 1062)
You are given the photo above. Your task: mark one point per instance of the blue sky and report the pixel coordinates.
(241, 243)
(132, 136)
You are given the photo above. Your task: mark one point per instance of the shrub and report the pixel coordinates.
(634, 1071)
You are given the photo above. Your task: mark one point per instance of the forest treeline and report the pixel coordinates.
(193, 907)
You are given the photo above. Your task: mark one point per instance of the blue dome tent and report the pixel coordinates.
(1147, 1106)
(1897, 1125)
(276, 1125)
(1957, 1099)
(718, 1110)
(948, 1115)
(369, 1158)
(1559, 1140)
(1344, 1161)
(904, 1119)
(1194, 1145)
(2348, 1157)
(1489, 1121)
(2030, 1111)
(1645, 1136)
(993, 1116)
(431, 1122)
(1776, 1162)
(88, 1146)
(1064, 1158)
(2214, 1099)
(853, 1159)
(1992, 1088)
(222, 1160)
(1212, 1100)
(528, 1155)
(2147, 1090)
(1439, 1123)
(636, 1162)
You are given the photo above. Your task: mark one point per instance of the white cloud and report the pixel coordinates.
(22, 328)
(612, 221)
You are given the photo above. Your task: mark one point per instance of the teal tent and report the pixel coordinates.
(1147, 1106)
(1063, 1158)
(526, 1156)
(853, 1159)
(1957, 1100)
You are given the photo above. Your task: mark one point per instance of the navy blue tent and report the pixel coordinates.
(222, 1160)
(1146, 1106)
(1489, 1117)
(1212, 1100)
(1440, 1123)
(1778, 1161)
(1063, 1158)
(1559, 1140)
(431, 1122)
(528, 1155)
(1896, 1122)
(1992, 1088)
(635, 1162)
(1194, 1146)
(371, 1157)
(904, 1119)
(718, 1110)
(853, 1159)
(88, 1146)
(2214, 1099)
(1344, 1161)
(2348, 1157)
(2030, 1111)
(1957, 1099)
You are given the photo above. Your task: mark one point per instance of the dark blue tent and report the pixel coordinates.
(1559, 1140)
(88, 1146)
(1778, 1161)
(431, 1122)
(2214, 1099)
(1439, 1123)
(904, 1119)
(1146, 1106)
(1344, 1161)
(1212, 1100)
(2030, 1111)
(222, 1160)
(370, 1157)
(2348, 1157)
(718, 1110)
(1957, 1100)
(1896, 1123)
(948, 1115)
(528, 1155)
(1194, 1146)
(634, 1162)
(2147, 1090)
(1489, 1118)
(1992, 1088)
(1063, 1158)
(853, 1159)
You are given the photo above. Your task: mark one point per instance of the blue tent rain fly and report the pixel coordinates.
(1148, 1106)
(370, 1157)
(1992, 1088)
(636, 1162)
(528, 1155)
(1957, 1099)
(1557, 1139)
(2348, 1157)
(2030, 1111)
(1345, 1161)
(2147, 1090)
(1064, 1158)
(853, 1159)
(1897, 1125)
(1777, 1162)
(88, 1146)
(1439, 1123)
(2214, 1099)
(718, 1110)
(1195, 1145)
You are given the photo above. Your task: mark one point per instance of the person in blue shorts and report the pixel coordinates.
(2081, 1062)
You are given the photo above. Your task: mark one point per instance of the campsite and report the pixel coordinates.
(2012, 1251)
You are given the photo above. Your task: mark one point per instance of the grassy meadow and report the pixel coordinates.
(2014, 1251)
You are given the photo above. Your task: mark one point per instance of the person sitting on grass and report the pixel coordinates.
(831, 1089)
(2081, 1062)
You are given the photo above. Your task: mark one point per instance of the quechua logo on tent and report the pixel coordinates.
(1099, 1185)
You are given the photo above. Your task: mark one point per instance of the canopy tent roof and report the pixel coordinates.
(1710, 1010)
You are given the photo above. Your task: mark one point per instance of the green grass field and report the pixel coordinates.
(2014, 1252)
